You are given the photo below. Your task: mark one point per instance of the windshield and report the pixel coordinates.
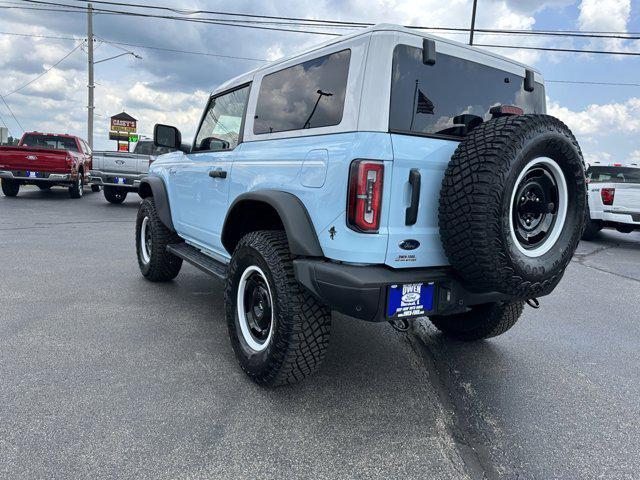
(426, 99)
(613, 175)
(50, 141)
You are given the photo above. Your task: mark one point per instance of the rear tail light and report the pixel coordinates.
(365, 195)
(607, 195)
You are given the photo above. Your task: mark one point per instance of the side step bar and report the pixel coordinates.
(199, 260)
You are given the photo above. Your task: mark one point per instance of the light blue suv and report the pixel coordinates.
(385, 175)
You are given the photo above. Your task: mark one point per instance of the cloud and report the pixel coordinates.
(600, 119)
(605, 16)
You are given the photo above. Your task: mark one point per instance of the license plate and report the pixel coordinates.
(31, 174)
(410, 300)
(119, 180)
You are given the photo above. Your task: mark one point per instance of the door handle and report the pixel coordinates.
(218, 173)
(411, 215)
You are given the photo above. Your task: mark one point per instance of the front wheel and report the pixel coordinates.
(278, 330)
(480, 322)
(115, 195)
(152, 239)
(10, 187)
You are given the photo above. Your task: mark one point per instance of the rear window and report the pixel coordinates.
(613, 175)
(425, 99)
(50, 141)
(309, 95)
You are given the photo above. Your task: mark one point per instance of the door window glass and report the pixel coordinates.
(220, 128)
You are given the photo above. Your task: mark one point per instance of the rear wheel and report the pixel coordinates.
(152, 239)
(624, 228)
(95, 188)
(278, 330)
(76, 190)
(115, 195)
(480, 322)
(591, 230)
(10, 187)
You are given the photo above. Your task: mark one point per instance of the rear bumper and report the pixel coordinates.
(622, 216)
(361, 291)
(22, 176)
(131, 181)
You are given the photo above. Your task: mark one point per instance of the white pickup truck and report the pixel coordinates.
(614, 198)
(119, 173)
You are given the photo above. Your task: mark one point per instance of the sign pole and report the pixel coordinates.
(91, 86)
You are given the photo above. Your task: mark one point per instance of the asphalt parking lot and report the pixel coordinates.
(105, 375)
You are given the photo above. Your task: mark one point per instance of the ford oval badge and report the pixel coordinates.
(119, 162)
(31, 157)
(409, 244)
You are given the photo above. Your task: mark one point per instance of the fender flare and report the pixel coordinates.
(155, 187)
(301, 235)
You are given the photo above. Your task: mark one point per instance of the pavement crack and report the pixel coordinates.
(581, 261)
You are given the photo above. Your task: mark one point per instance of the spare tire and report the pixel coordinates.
(512, 205)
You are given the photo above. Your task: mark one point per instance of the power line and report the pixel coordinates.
(44, 72)
(193, 20)
(12, 114)
(190, 52)
(614, 84)
(570, 50)
(340, 23)
(33, 35)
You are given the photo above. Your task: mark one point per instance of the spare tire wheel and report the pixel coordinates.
(512, 205)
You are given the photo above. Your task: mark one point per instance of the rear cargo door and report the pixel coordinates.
(418, 163)
(33, 159)
(125, 163)
(627, 197)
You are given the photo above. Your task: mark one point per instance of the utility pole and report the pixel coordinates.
(91, 86)
(473, 21)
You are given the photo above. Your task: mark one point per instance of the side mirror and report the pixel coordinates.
(166, 136)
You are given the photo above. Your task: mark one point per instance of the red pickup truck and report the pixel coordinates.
(45, 160)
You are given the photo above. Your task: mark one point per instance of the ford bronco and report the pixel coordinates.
(386, 175)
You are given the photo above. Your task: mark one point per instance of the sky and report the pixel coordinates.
(172, 87)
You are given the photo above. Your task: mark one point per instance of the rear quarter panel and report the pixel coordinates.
(316, 170)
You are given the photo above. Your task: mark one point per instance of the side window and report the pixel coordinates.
(220, 128)
(309, 95)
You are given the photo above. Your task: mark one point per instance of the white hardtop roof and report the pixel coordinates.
(381, 27)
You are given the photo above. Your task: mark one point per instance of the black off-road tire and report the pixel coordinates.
(591, 230)
(475, 205)
(480, 322)
(162, 265)
(300, 325)
(10, 187)
(44, 186)
(76, 189)
(95, 188)
(115, 195)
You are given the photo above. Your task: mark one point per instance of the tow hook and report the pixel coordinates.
(533, 303)
(400, 324)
